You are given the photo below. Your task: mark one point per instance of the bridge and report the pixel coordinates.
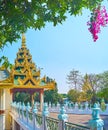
(24, 117)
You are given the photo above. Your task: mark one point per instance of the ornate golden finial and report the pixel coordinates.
(23, 40)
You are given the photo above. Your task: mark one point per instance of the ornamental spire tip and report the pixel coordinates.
(23, 40)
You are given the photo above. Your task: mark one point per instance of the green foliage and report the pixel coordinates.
(103, 105)
(63, 95)
(36, 97)
(17, 16)
(4, 62)
(94, 81)
(51, 96)
(103, 92)
(60, 98)
(73, 95)
(93, 88)
(86, 93)
(104, 76)
(22, 97)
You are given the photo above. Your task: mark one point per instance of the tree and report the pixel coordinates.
(22, 97)
(74, 79)
(86, 93)
(103, 105)
(51, 96)
(95, 81)
(60, 98)
(103, 92)
(36, 97)
(73, 95)
(104, 77)
(17, 16)
(4, 62)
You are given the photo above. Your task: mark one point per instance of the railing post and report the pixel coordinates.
(14, 105)
(86, 106)
(96, 123)
(19, 110)
(44, 114)
(49, 105)
(27, 111)
(34, 113)
(62, 118)
(23, 108)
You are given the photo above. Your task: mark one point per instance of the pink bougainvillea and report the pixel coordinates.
(99, 18)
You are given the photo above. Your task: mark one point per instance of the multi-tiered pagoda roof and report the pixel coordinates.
(25, 73)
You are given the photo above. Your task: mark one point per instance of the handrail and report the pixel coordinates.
(34, 121)
(76, 125)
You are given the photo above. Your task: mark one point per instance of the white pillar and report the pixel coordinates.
(41, 99)
(2, 117)
(6, 105)
(1, 99)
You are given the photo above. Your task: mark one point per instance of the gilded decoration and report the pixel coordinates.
(25, 74)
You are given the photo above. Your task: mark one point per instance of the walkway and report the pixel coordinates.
(81, 119)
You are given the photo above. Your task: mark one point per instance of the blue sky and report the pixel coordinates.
(60, 49)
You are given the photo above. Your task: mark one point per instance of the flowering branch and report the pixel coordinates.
(98, 18)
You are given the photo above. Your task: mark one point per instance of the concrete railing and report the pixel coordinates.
(77, 109)
(27, 118)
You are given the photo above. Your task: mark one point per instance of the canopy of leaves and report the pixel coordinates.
(91, 86)
(4, 62)
(22, 97)
(86, 93)
(51, 96)
(103, 92)
(73, 95)
(16, 16)
(104, 76)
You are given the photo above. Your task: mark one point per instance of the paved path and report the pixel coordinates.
(81, 119)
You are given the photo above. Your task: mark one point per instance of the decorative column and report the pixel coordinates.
(1, 102)
(7, 105)
(13, 94)
(41, 99)
(96, 123)
(35, 110)
(2, 118)
(45, 113)
(62, 118)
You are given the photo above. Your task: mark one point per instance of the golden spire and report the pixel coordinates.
(23, 40)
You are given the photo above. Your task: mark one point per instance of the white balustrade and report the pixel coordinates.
(28, 119)
(77, 109)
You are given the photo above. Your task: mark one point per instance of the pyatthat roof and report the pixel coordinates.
(24, 73)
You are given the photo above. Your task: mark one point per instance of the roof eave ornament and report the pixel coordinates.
(23, 40)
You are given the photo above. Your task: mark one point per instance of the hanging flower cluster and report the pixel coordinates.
(99, 18)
